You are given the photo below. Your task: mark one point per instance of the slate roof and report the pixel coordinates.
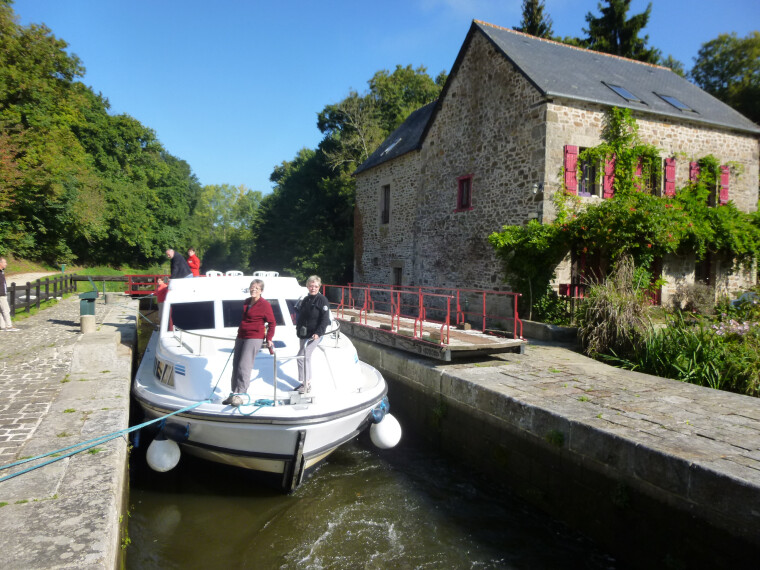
(407, 137)
(560, 70)
(563, 71)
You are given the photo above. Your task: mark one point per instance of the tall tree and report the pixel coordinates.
(305, 225)
(675, 65)
(534, 22)
(612, 32)
(728, 67)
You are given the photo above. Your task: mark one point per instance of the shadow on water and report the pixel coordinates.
(404, 508)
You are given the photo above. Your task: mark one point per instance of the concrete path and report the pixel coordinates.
(59, 388)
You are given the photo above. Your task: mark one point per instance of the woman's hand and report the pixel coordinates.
(315, 336)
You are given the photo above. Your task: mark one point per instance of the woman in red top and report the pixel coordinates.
(256, 328)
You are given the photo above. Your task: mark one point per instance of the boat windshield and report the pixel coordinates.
(232, 312)
(192, 316)
(200, 315)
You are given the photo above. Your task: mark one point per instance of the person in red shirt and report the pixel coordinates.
(193, 262)
(256, 328)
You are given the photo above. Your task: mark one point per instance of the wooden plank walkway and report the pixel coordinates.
(461, 343)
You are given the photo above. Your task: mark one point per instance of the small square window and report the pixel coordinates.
(624, 93)
(464, 193)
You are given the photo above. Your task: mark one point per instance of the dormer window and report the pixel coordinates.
(624, 93)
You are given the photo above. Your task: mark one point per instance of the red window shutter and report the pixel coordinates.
(670, 176)
(608, 185)
(571, 173)
(693, 172)
(724, 178)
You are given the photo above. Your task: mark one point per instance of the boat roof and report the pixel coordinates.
(211, 288)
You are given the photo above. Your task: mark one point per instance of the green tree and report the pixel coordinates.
(675, 65)
(613, 32)
(305, 225)
(534, 21)
(728, 67)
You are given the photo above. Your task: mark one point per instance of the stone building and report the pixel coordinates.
(491, 150)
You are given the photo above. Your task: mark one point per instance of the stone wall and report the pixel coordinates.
(379, 247)
(491, 126)
(494, 125)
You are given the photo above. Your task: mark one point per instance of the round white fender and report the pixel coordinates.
(163, 454)
(387, 433)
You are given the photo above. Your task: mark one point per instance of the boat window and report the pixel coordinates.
(292, 309)
(232, 312)
(193, 316)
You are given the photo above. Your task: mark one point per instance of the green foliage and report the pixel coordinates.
(613, 316)
(613, 32)
(534, 21)
(723, 355)
(633, 222)
(728, 67)
(305, 226)
(76, 182)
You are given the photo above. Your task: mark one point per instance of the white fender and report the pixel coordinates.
(163, 454)
(387, 433)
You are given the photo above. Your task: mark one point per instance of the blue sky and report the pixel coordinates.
(233, 87)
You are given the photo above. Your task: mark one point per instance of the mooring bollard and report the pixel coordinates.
(112, 298)
(87, 323)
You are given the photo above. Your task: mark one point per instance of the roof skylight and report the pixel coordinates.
(624, 93)
(675, 102)
(390, 146)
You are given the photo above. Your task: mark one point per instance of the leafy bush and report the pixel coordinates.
(613, 317)
(696, 298)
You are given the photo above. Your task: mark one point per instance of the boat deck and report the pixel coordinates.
(462, 342)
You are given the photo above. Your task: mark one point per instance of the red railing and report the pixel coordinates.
(428, 304)
(138, 285)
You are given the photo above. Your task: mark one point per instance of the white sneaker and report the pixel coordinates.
(13, 329)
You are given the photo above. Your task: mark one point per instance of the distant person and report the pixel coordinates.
(256, 328)
(161, 290)
(193, 262)
(312, 321)
(5, 310)
(179, 267)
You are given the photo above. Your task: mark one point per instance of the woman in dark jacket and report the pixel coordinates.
(256, 328)
(313, 318)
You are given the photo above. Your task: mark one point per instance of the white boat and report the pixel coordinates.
(278, 432)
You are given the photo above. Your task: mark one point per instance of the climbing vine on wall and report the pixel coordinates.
(630, 222)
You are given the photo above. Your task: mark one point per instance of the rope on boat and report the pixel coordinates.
(89, 444)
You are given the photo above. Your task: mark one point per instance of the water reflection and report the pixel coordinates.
(403, 508)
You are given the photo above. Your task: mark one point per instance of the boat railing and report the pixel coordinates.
(334, 332)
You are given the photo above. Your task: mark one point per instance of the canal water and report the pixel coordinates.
(405, 508)
(364, 508)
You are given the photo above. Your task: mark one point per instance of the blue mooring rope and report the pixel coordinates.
(113, 435)
(90, 443)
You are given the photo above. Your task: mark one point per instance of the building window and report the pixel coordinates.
(587, 185)
(464, 193)
(648, 176)
(385, 204)
(624, 93)
(675, 102)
